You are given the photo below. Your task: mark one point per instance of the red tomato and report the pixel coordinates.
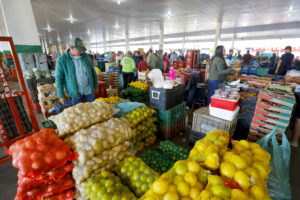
(36, 155)
(69, 183)
(60, 155)
(36, 165)
(48, 159)
(30, 144)
(42, 147)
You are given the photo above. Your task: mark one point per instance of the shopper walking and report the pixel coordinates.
(166, 61)
(230, 55)
(75, 72)
(160, 60)
(247, 58)
(151, 59)
(128, 66)
(273, 59)
(173, 58)
(285, 62)
(218, 71)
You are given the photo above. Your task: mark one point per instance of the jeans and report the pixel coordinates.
(213, 85)
(87, 98)
(127, 78)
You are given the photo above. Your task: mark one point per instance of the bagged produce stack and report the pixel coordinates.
(273, 110)
(106, 185)
(157, 161)
(142, 122)
(244, 171)
(44, 168)
(81, 116)
(102, 146)
(136, 174)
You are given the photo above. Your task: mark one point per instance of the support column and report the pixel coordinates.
(183, 45)
(126, 40)
(104, 42)
(233, 40)
(21, 26)
(161, 37)
(218, 33)
(150, 42)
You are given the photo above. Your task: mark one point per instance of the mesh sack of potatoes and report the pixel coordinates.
(94, 140)
(81, 116)
(106, 160)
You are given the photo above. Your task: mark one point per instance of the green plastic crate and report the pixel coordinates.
(49, 124)
(169, 117)
(262, 71)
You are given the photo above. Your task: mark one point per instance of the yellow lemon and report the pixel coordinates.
(227, 156)
(253, 173)
(205, 195)
(242, 179)
(238, 162)
(212, 149)
(193, 166)
(202, 176)
(172, 188)
(201, 146)
(183, 189)
(261, 170)
(160, 186)
(190, 178)
(167, 176)
(180, 168)
(246, 157)
(199, 186)
(212, 161)
(245, 144)
(254, 145)
(220, 191)
(257, 193)
(215, 180)
(178, 179)
(228, 170)
(171, 196)
(237, 194)
(194, 192)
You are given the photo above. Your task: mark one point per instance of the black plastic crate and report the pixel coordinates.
(34, 96)
(165, 99)
(8, 119)
(195, 136)
(31, 84)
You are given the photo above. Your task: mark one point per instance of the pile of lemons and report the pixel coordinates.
(139, 85)
(111, 100)
(212, 172)
(139, 115)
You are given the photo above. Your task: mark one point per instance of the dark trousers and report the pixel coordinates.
(127, 78)
(213, 85)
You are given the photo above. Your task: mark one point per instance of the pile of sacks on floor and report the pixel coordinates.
(44, 163)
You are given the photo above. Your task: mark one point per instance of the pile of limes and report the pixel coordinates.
(107, 186)
(138, 176)
(173, 151)
(157, 161)
(138, 115)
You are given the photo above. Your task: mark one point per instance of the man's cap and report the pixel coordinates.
(288, 47)
(78, 44)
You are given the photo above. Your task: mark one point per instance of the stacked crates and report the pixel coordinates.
(273, 110)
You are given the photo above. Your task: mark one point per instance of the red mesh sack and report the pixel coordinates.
(66, 195)
(40, 153)
(38, 190)
(51, 175)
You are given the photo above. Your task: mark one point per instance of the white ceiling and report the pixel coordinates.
(142, 18)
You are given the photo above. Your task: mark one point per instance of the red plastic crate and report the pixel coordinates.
(185, 77)
(181, 64)
(102, 90)
(224, 104)
(176, 64)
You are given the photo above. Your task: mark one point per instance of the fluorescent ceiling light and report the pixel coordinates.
(71, 19)
(88, 32)
(49, 29)
(116, 26)
(118, 2)
(71, 36)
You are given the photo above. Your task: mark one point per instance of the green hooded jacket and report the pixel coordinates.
(66, 77)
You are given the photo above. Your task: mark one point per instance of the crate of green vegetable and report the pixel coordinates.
(173, 151)
(157, 161)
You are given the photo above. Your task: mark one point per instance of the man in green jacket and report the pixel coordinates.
(128, 66)
(75, 72)
(151, 59)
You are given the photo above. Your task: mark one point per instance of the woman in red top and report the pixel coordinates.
(166, 61)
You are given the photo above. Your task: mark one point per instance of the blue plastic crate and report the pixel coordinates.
(253, 70)
(245, 70)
